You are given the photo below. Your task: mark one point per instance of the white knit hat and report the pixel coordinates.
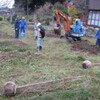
(23, 17)
(76, 19)
(38, 24)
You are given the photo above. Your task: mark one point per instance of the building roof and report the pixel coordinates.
(94, 4)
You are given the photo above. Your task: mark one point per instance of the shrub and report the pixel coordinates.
(73, 11)
(14, 17)
(1, 18)
(61, 8)
(30, 20)
(8, 18)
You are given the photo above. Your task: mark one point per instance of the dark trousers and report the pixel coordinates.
(98, 42)
(17, 33)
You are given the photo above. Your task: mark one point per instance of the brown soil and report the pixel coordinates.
(6, 55)
(76, 45)
(9, 55)
(19, 43)
(5, 35)
(50, 33)
(85, 47)
(3, 22)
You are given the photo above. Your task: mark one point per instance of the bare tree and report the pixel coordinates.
(81, 5)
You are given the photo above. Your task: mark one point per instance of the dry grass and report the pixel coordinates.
(55, 61)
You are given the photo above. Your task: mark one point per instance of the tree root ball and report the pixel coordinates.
(57, 31)
(86, 64)
(10, 88)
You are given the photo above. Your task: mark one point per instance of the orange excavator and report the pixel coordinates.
(75, 32)
(66, 20)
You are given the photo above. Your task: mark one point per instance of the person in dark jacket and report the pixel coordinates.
(98, 38)
(17, 27)
(40, 36)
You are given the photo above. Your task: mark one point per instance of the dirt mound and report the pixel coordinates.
(20, 43)
(9, 55)
(5, 35)
(50, 33)
(76, 45)
(85, 47)
(5, 43)
(3, 22)
(6, 55)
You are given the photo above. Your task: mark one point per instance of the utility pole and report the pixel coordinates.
(27, 2)
(27, 8)
(11, 14)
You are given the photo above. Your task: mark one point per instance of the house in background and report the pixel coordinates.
(94, 13)
(4, 11)
(91, 11)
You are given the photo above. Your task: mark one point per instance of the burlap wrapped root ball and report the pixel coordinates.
(10, 88)
(57, 30)
(86, 64)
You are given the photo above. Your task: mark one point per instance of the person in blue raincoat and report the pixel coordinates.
(78, 29)
(98, 38)
(78, 22)
(17, 27)
(78, 25)
(23, 25)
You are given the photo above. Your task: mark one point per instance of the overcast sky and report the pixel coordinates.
(8, 3)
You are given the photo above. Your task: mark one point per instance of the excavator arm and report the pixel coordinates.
(66, 20)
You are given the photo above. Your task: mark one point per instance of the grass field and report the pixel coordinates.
(19, 62)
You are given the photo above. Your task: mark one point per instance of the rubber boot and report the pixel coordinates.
(40, 48)
(37, 49)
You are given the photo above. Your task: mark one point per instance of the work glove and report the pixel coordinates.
(16, 28)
